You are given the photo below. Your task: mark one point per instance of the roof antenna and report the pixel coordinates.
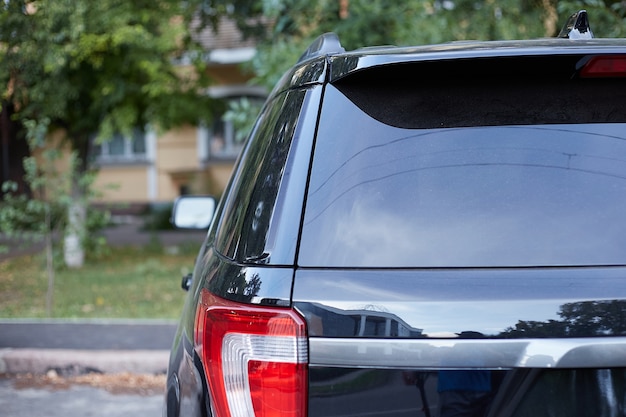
(577, 27)
(328, 43)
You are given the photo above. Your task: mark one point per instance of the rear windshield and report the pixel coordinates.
(498, 173)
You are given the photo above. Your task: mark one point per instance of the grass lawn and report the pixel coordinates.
(128, 283)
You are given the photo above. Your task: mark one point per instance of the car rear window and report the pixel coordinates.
(462, 166)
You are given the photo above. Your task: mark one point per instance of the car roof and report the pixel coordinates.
(329, 62)
(347, 63)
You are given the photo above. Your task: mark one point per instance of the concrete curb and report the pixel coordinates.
(69, 362)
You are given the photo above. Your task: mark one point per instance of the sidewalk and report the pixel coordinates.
(78, 347)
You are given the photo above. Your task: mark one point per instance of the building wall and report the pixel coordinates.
(180, 160)
(156, 180)
(176, 162)
(174, 166)
(216, 178)
(123, 184)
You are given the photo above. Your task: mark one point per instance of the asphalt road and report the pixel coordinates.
(87, 335)
(115, 347)
(108, 345)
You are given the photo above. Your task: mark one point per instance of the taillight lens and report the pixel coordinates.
(604, 66)
(255, 358)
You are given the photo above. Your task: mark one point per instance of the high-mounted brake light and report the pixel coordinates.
(255, 358)
(605, 66)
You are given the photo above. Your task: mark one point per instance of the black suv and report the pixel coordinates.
(436, 231)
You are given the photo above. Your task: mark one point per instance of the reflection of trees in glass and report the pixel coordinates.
(582, 319)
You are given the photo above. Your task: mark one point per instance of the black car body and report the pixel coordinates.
(435, 231)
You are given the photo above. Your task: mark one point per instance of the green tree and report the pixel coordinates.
(290, 25)
(88, 69)
(37, 215)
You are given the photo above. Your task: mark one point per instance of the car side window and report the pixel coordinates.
(242, 232)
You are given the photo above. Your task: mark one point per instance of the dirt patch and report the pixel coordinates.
(122, 383)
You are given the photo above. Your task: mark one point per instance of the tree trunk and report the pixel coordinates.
(76, 228)
(49, 264)
(73, 243)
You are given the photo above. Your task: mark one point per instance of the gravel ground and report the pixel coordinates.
(122, 383)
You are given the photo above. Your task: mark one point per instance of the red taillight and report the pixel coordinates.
(604, 66)
(255, 358)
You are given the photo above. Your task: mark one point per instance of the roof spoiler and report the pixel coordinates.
(577, 27)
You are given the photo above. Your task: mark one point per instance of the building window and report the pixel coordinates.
(231, 127)
(121, 148)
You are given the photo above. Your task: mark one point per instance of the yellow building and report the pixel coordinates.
(151, 168)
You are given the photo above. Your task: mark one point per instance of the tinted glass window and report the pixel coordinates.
(575, 392)
(468, 392)
(523, 193)
(248, 212)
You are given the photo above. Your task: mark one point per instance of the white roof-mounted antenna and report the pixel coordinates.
(328, 43)
(577, 27)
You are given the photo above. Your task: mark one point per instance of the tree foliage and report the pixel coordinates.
(86, 68)
(41, 214)
(292, 24)
(108, 66)
(105, 66)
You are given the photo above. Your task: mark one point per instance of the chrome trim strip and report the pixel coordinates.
(598, 352)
